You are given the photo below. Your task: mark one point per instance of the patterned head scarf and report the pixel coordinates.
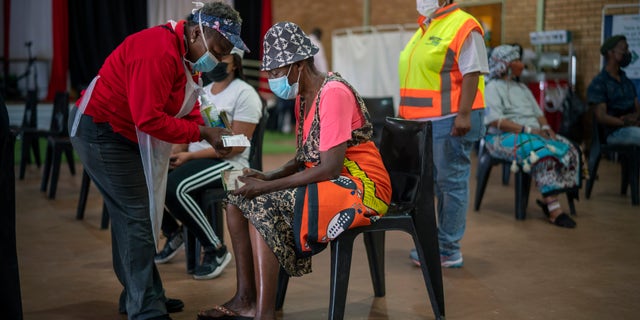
(285, 43)
(500, 58)
(228, 28)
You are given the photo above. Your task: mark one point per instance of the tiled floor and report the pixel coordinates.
(513, 269)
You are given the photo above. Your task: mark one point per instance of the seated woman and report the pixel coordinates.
(336, 181)
(197, 166)
(519, 132)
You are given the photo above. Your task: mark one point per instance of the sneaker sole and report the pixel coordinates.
(169, 257)
(217, 271)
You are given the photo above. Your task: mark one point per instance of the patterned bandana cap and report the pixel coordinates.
(500, 58)
(227, 27)
(285, 43)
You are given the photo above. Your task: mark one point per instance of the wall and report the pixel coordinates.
(582, 17)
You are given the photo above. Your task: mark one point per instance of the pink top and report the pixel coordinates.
(339, 115)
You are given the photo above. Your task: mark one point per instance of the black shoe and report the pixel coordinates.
(172, 305)
(174, 243)
(213, 263)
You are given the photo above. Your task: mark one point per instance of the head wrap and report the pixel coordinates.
(228, 28)
(610, 43)
(285, 43)
(500, 58)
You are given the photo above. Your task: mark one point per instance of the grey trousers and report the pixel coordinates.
(114, 165)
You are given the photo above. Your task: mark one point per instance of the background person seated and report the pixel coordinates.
(519, 132)
(614, 96)
(198, 166)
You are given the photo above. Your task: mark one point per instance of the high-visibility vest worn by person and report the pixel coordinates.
(430, 79)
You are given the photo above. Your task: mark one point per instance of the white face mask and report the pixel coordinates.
(427, 7)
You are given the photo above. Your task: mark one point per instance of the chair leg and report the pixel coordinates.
(571, 195)
(104, 224)
(374, 243)
(506, 174)
(341, 252)
(55, 170)
(84, 192)
(593, 171)
(484, 170)
(24, 155)
(68, 153)
(47, 168)
(283, 282)
(523, 184)
(191, 249)
(428, 250)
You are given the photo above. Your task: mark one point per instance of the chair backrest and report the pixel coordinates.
(60, 115)
(255, 155)
(379, 109)
(30, 115)
(406, 149)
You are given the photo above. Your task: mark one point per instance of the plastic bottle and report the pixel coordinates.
(210, 113)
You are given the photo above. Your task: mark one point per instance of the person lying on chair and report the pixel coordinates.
(518, 131)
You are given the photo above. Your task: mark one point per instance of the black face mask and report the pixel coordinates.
(218, 73)
(626, 59)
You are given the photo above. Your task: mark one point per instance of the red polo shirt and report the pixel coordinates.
(142, 83)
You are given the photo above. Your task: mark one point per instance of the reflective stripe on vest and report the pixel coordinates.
(430, 80)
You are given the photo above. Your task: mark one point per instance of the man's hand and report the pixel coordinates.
(178, 159)
(214, 137)
(461, 125)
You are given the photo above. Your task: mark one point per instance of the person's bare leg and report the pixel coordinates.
(244, 300)
(553, 205)
(266, 276)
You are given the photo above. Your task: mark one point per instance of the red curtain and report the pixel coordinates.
(60, 61)
(263, 84)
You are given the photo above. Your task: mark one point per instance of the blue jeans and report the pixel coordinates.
(114, 165)
(626, 135)
(452, 167)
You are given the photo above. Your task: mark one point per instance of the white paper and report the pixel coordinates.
(238, 140)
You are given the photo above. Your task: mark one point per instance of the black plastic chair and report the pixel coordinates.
(406, 149)
(628, 155)
(379, 109)
(82, 202)
(522, 183)
(58, 143)
(211, 199)
(29, 134)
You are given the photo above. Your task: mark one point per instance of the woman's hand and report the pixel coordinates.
(178, 159)
(253, 173)
(252, 187)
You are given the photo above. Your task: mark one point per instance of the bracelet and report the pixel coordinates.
(546, 127)
(522, 131)
(527, 129)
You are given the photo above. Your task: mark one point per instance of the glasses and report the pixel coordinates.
(278, 72)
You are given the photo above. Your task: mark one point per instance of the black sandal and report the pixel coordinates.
(564, 221)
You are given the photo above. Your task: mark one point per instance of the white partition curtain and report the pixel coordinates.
(160, 11)
(367, 57)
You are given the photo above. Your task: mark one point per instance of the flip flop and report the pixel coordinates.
(227, 314)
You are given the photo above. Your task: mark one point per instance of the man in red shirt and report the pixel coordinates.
(141, 102)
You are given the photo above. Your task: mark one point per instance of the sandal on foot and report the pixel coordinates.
(543, 205)
(224, 312)
(565, 221)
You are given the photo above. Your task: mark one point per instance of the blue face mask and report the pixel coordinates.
(207, 61)
(281, 87)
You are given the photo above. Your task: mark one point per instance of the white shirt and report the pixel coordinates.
(241, 102)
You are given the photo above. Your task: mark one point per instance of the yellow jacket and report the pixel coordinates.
(430, 80)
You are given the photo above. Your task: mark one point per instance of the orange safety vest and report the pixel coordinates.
(430, 79)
